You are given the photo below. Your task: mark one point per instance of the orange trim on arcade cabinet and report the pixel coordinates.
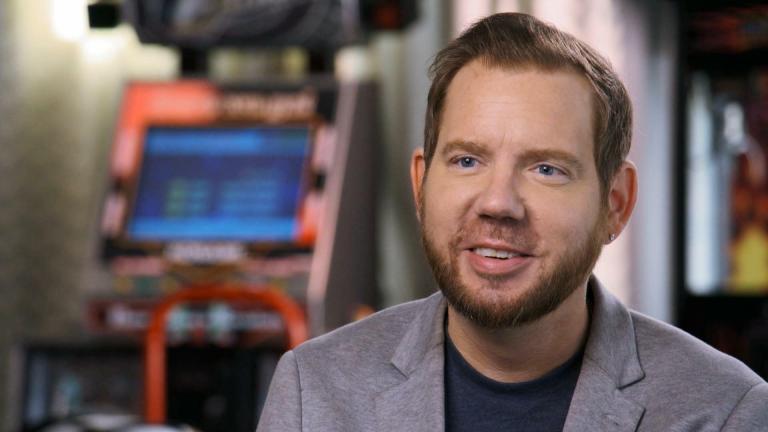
(155, 338)
(144, 104)
(308, 221)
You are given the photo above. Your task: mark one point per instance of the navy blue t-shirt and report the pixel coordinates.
(475, 403)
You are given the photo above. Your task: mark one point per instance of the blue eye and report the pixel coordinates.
(467, 162)
(547, 170)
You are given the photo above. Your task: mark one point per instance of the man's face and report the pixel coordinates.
(510, 207)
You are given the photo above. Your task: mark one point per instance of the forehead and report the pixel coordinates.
(525, 107)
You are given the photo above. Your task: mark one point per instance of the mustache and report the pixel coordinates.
(513, 232)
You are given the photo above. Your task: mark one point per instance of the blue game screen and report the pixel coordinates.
(220, 183)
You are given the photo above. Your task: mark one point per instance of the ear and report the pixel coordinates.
(621, 198)
(418, 168)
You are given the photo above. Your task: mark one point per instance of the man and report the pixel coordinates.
(521, 181)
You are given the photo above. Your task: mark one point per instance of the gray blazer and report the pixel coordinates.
(385, 373)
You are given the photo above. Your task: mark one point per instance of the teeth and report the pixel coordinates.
(493, 253)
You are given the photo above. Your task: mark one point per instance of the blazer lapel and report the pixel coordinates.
(597, 404)
(417, 402)
(610, 364)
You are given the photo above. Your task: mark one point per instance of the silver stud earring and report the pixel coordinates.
(611, 237)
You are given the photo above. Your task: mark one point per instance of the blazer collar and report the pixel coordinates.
(417, 403)
(425, 333)
(611, 344)
(610, 364)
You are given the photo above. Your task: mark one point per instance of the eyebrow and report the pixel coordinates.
(463, 145)
(531, 156)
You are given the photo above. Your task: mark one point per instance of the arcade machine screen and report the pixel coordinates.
(220, 184)
(205, 174)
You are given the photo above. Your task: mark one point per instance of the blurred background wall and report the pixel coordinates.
(58, 100)
(60, 87)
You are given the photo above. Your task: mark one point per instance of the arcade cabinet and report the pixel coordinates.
(267, 187)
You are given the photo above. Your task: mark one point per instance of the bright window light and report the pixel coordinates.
(69, 19)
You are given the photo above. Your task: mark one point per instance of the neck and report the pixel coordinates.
(525, 352)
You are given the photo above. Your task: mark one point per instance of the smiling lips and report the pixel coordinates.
(495, 253)
(497, 260)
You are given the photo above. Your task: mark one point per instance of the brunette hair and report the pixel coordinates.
(520, 41)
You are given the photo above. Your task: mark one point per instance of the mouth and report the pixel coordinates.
(497, 260)
(500, 254)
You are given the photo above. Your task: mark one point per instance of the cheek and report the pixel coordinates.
(565, 221)
(437, 212)
(453, 193)
(444, 210)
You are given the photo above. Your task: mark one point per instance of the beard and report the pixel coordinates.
(551, 287)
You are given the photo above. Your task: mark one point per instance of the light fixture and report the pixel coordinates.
(68, 19)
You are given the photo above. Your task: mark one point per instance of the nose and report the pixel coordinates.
(501, 198)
